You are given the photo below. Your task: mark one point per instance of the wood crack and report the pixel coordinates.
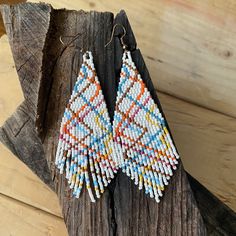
(21, 127)
(27, 60)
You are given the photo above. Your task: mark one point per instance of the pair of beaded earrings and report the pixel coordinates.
(91, 149)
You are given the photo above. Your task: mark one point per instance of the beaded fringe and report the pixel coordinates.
(139, 130)
(86, 149)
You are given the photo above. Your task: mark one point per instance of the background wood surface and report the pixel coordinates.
(47, 71)
(188, 62)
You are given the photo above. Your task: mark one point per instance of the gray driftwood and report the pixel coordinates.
(47, 72)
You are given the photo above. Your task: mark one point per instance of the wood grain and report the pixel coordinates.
(206, 141)
(189, 46)
(18, 182)
(59, 70)
(28, 60)
(11, 93)
(19, 219)
(28, 63)
(20, 129)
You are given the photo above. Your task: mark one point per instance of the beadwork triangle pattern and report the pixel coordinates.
(139, 129)
(86, 149)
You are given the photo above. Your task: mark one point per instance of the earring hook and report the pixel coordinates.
(72, 40)
(121, 38)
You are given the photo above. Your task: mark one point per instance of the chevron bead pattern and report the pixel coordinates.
(85, 148)
(139, 129)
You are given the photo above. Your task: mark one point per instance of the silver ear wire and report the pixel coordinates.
(121, 38)
(70, 42)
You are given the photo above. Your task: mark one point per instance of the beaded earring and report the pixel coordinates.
(85, 149)
(140, 132)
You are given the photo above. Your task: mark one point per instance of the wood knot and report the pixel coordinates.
(228, 54)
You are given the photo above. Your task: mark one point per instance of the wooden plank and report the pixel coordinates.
(11, 93)
(17, 181)
(206, 141)
(189, 46)
(81, 216)
(24, 123)
(20, 219)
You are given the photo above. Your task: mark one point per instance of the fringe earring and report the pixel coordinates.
(85, 149)
(139, 129)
